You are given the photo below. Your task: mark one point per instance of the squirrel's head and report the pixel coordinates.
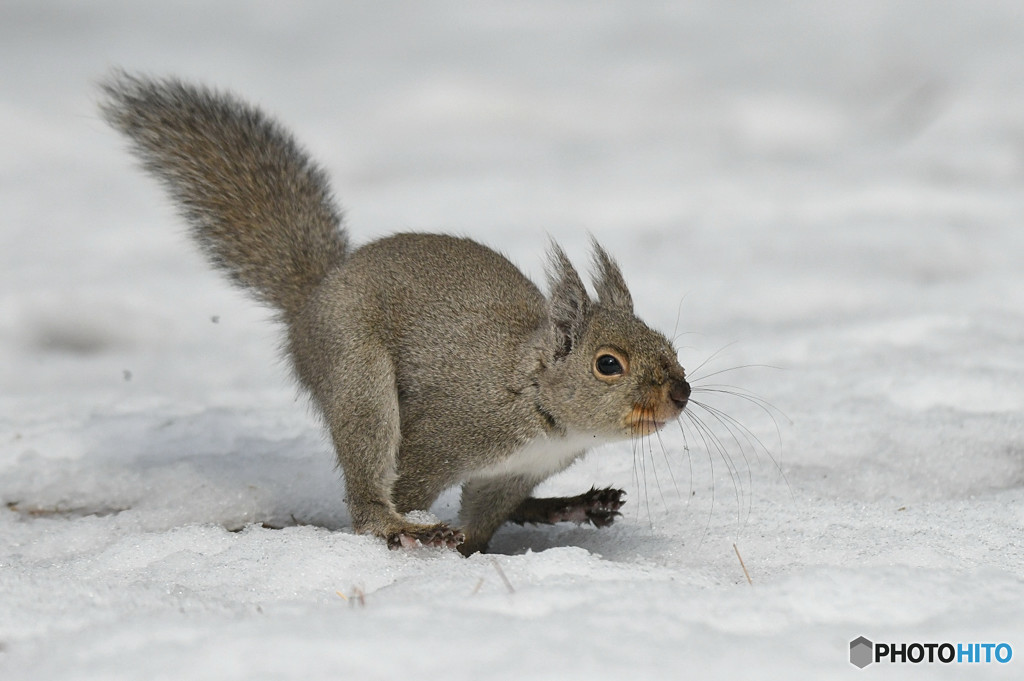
(604, 371)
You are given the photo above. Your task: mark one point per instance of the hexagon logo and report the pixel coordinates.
(861, 651)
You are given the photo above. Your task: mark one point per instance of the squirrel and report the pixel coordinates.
(432, 359)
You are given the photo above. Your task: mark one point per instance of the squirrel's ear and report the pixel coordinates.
(568, 303)
(608, 281)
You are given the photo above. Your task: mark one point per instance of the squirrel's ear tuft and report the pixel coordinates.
(608, 281)
(568, 303)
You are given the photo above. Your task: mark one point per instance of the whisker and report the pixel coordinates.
(719, 446)
(689, 459)
(654, 463)
(694, 378)
(633, 441)
(668, 463)
(711, 463)
(714, 354)
(767, 407)
(679, 314)
(723, 452)
(646, 440)
(724, 420)
(756, 444)
(743, 394)
(638, 454)
(654, 470)
(689, 463)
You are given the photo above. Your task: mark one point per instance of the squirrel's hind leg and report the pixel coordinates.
(360, 404)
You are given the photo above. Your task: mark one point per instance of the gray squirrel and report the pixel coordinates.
(433, 360)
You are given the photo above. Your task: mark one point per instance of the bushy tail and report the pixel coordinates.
(258, 206)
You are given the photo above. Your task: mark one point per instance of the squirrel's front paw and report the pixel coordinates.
(439, 535)
(600, 507)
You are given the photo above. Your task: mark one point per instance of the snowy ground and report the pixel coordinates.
(833, 189)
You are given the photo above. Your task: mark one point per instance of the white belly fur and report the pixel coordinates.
(542, 457)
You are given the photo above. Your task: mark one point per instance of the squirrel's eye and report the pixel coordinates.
(608, 365)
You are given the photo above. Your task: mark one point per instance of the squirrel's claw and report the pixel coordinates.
(440, 536)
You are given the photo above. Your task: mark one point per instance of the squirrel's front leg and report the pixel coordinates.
(599, 507)
(487, 503)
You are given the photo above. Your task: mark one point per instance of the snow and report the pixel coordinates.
(828, 195)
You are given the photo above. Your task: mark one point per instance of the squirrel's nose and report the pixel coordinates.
(679, 393)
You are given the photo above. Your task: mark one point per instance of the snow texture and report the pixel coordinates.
(823, 201)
